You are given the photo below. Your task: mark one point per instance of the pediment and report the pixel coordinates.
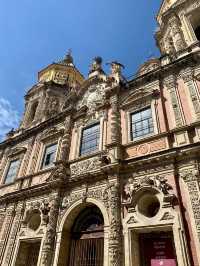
(16, 150)
(135, 97)
(166, 4)
(51, 132)
(93, 97)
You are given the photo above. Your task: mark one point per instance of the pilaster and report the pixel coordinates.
(10, 213)
(49, 238)
(170, 83)
(115, 236)
(16, 225)
(187, 76)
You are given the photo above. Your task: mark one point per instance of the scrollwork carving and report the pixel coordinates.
(85, 166)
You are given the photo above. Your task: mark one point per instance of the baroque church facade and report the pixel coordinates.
(105, 171)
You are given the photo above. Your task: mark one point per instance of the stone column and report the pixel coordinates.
(10, 212)
(16, 225)
(115, 232)
(115, 120)
(191, 178)
(66, 140)
(177, 34)
(115, 128)
(187, 76)
(50, 235)
(170, 83)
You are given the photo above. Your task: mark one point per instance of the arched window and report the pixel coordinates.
(33, 111)
(87, 239)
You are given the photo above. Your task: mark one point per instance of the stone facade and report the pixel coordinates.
(145, 187)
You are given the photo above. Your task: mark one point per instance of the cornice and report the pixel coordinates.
(26, 133)
(161, 71)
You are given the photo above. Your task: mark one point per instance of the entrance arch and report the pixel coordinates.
(83, 222)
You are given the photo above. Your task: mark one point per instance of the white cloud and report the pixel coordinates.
(9, 118)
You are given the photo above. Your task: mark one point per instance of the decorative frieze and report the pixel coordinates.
(85, 166)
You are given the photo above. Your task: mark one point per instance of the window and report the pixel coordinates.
(33, 111)
(12, 171)
(49, 156)
(90, 139)
(141, 123)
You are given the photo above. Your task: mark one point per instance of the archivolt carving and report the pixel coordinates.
(95, 193)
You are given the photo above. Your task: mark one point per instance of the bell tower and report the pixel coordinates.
(46, 98)
(178, 30)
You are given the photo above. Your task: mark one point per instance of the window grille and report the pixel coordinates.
(12, 171)
(90, 139)
(49, 156)
(141, 123)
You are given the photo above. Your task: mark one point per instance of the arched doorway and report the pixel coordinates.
(87, 239)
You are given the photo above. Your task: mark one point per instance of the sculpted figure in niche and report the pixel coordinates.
(52, 107)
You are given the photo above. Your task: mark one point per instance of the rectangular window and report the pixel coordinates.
(12, 171)
(141, 123)
(90, 139)
(49, 156)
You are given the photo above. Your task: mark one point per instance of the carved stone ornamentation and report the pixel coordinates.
(115, 238)
(52, 106)
(60, 174)
(93, 98)
(85, 166)
(16, 225)
(115, 120)
(191, 177)
(66, 140)
(170, 83)
(132, 186)
(188, 78)
(45, 208)
(47, 249)
(177, 34)
(132, 220)
(167, 216)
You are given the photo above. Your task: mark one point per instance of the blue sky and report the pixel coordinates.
(34, 33)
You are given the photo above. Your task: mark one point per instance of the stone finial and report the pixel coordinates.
(96, 64)
(68, 58)
(116, 68)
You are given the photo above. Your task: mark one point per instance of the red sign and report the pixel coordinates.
(158, 250)
(163, 262)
